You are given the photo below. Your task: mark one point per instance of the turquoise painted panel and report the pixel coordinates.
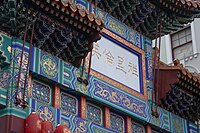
(81, 87)
(137, 128)
(178, 124)
(154, 120)
(192, 128)
(67, 75)
(69, 104)
(5, 60)
(115, 26)
(163, 121)
(41, 92)
(101, 14)
(99, 129)
(5, 50)
(11, 77)
(117, 123)
(17, 53)
(14, 111)
(79, 125)
(94, 114)
(49, 66)
(5, 77)
(3, 97)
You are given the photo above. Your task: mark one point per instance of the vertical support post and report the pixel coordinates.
(128, 125)
(107, 117)
(148, 129)
(56, 97)
(83, 107)
(194, 41)
(29, 85)
(168, 48)
(154, 65)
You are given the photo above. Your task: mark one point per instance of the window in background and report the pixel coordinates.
(182, 43)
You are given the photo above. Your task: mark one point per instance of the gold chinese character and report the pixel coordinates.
(120, 64)
(96, 51)
(132, 69)
(108, 57)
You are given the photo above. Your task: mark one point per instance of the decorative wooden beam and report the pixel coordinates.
(29, 85)
(83, 107)
(148, 129)
(56, 97)
(107, 117)
(128, 125)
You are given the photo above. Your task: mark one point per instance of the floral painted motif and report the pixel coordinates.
(5, 77)
(24, 60)
(49, 66)
(69, 104)
(119, 98)
(80, 125)
(100, 129)
(116, 123)
(46, 114)
(177, 124)
(65, 122)
(40, 92)
(81, 87)
(5, 50)
(116, 26)
(137, 128)
(137, 39)
(94, 114)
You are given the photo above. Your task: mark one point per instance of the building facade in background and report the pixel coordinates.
(183, 45)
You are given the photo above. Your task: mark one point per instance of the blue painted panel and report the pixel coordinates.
(117, 98)
(49, 66)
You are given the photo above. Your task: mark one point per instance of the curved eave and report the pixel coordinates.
(72, 13)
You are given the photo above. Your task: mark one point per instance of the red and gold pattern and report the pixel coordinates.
(56, 97)
(83, 107)
(128, 125)
(107, 117)
(29, 85)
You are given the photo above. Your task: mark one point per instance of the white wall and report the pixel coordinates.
(196, 24)
(166, 52)
(192, 63)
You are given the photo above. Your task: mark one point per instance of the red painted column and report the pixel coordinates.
(107, 117)
(128, 125)
(148, 129)
(83, 107)
(29, 85)
(56, 97)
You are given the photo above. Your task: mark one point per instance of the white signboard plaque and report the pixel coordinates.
(117, 62)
